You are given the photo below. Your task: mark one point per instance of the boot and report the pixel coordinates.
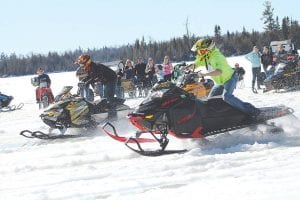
(258, 86)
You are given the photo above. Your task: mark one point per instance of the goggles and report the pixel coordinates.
(203, 51)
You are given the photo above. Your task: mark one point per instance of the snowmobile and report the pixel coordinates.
(284, 75)
(71, 111)
(170, 110)
(5, 101)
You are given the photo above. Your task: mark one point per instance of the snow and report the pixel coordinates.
(242, 164)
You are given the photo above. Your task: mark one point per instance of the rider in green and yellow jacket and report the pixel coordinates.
(224, 76)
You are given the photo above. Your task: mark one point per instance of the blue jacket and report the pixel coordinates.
(254, 58)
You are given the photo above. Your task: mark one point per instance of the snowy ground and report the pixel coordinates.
(242, 164)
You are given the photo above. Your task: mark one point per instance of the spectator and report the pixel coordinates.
(240, 71)
(128, 70)
(140, 69)
(266, 59)
(254, 58)
(167, 68)
(149, 71)
(159, 73)
(280, 55)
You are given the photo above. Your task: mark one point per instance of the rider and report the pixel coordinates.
(43, 81)
(224, 76)
(99, 73)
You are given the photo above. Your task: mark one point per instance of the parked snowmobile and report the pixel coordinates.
(5, 101)
(285, 75)
(71, 111)
(169, 110)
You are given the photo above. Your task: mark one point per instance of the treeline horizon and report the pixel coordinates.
(178, 48)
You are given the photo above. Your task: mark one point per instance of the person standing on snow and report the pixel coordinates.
(225, 78)
(266, 59)
(254, 58)
(43, 81)
(99, 73)
(140, 68)
(240, 71)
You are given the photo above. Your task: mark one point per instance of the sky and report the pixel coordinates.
(240, 165)
(40, 26)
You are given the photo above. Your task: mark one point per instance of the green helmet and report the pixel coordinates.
(202, 44)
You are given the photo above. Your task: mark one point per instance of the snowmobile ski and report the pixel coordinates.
(115, 136)
(163, 142)
(12, 107)
(45, 136)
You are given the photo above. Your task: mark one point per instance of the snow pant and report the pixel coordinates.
(255, 75)
(85, 92)
(99, 89)
(109, 90)
(226, 91)
(120, 91)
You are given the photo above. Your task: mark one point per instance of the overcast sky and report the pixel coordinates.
(40, 26)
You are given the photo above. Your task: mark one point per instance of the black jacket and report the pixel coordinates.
(140, 69)
(266, 59)
(44, 78)
(99, 72)
(129, 72)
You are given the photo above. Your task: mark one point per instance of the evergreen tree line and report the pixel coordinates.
(178, 49)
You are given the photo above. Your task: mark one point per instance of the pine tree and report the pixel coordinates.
(267, 17)
(285, 28)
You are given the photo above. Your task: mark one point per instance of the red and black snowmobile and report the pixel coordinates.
(169, 110)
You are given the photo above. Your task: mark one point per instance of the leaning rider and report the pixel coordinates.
(99, 73)
(225, 78)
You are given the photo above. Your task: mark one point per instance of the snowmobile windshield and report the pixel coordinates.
(279, 68)
(155, 95)
(65, 90)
